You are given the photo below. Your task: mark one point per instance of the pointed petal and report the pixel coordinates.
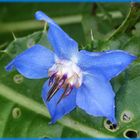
(96, 97)
(110, 63)
(64, 46)
(33, 63)
(66, 105)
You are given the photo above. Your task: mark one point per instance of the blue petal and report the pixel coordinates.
(96, 97)
(33, 63)
(64, 46)
(57, 111)
(110, 63)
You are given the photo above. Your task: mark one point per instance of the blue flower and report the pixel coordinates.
(76, 78)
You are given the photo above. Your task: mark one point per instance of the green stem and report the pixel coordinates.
(38, 108)
(129, 22)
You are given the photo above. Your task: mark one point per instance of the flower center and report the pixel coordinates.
(64, 74)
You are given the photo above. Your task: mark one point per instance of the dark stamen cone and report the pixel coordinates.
(51, 79)
(52, 91)
(56, 86)
(63, 95)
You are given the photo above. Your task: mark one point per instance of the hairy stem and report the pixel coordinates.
(132, 18)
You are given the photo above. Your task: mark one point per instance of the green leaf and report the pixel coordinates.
(128, 112)
(23, 113)
(23, 108)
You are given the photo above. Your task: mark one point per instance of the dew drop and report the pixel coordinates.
(18, 78)
(16, 113)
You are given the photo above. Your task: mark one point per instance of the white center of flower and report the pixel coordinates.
(69, 69)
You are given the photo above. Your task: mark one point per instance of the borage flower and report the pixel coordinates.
(76, 78)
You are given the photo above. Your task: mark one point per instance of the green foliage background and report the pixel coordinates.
(113, 25)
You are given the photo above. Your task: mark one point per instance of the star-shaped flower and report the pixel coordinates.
(76, 78)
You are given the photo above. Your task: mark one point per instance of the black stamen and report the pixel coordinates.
(52, 91)
(56, 86)
(63, 95)
(51, 79)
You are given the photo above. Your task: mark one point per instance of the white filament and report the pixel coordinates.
(69, 68)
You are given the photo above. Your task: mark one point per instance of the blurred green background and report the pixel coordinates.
(73, 17)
